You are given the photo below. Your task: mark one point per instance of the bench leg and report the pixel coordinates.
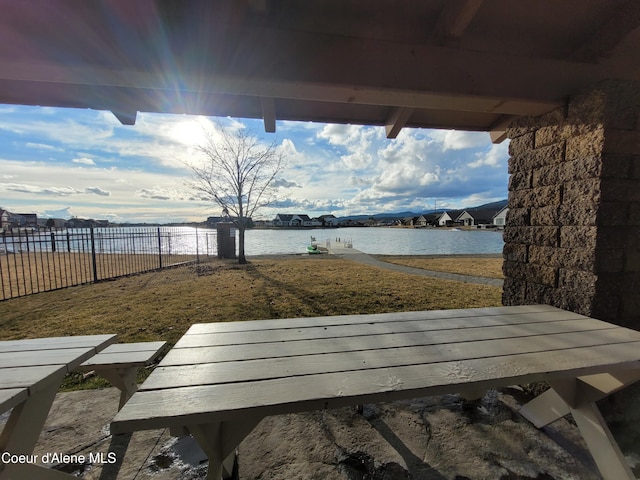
(25, 423)
(220, 441)
(602, 445)
(122, 378)
(550, 406)
(579, 396)
(545, 409)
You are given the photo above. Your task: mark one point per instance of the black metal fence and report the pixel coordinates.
(39, 261)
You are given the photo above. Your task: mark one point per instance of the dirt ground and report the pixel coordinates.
(435, 438)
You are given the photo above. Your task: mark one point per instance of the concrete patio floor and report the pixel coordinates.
(436, 438)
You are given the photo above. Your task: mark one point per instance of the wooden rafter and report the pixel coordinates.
(454, 19)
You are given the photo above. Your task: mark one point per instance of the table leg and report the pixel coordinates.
(29, 471)
(546, 408)
(219, 442)
(549, 406)
(122, 378)
(25, 423)
(602, 445)
(579, 396)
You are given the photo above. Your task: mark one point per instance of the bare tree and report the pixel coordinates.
(237, 173)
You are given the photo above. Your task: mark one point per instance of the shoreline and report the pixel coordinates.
(381, 256)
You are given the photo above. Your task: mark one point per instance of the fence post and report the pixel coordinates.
(159, 247)
(53, 241)
(197, 250)
(93, 256)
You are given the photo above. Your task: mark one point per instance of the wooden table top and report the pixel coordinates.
(28, 365)
(226, 371)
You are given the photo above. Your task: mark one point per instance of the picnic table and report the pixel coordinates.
(221, 379)
(31, 372)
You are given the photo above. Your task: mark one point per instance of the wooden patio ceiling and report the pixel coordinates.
(463, 64)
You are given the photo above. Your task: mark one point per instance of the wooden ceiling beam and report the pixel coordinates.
(268, 114)
(610, 34)
(397, 120)
(498, 131)
(455, 17)
(126, 117)
(150, 85)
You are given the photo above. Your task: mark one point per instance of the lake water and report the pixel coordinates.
(183, 240)
(381, 241)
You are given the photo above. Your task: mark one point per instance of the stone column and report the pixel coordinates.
(572, 237)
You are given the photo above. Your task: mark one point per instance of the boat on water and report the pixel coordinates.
(313, 250)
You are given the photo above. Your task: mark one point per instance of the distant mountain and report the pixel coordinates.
(499, 205)
(378, 216)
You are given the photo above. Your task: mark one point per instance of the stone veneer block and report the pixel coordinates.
(572, 237)
(578, 237)
(550, 155)
(545, 216)
(514, 252)
(521, 144)
(622, 142)
(520, 180)
(585, 146)
(585, 192)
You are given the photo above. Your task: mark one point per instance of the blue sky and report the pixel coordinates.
(66, 162)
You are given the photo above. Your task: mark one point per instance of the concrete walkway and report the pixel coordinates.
(345, 250)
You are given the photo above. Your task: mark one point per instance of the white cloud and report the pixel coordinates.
(340, 168)
(337, 134)
(43, 146)
(459, 140)
(495, 157)
(83, 161)
(65, 213)
(356, 161)
(160, 192)
(356, 140)
(56, 191)
(37, 190)
(97, 191)
(282, 183)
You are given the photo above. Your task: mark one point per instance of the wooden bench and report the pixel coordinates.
(31, 372)
(221, 379)
(119, 364)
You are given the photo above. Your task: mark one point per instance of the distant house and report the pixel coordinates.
(409, 221)
(500, 218)
(328, 220)
(213, 221)
(54, 222)
(87, 223)
(4, 219)
(263, 223)
(291, 220)
(466, 219)
(448, 218)
(23, 219)
(425, 220)
(476, 216)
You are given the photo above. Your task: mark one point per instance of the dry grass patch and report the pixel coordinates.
(163, 305)
(477, 266)
(27, 273)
